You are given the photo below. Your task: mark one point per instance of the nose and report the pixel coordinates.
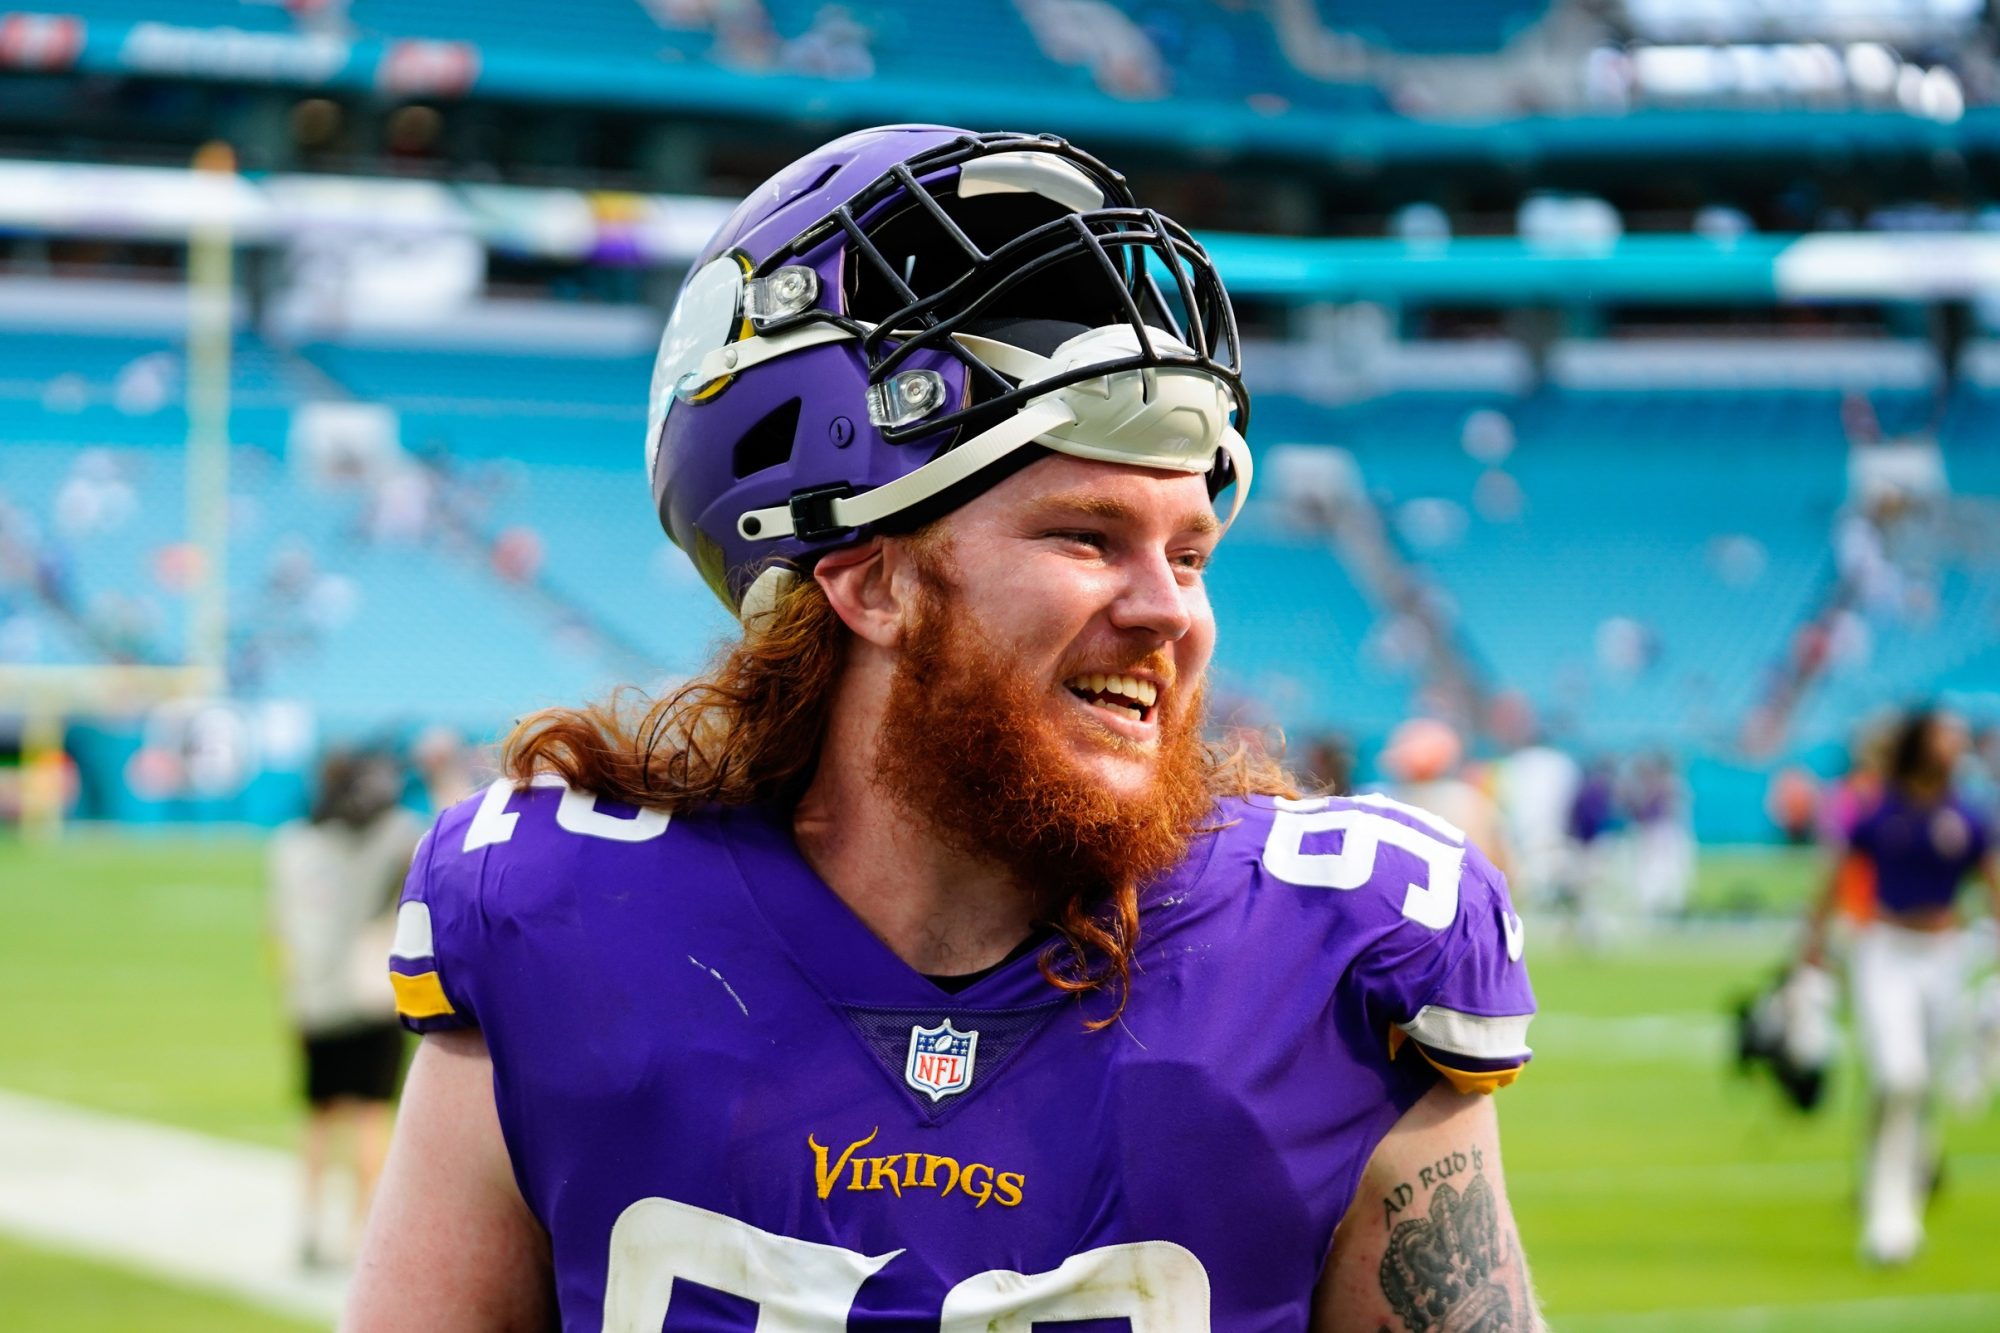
(1153, 600)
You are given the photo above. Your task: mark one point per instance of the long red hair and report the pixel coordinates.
(749, 730)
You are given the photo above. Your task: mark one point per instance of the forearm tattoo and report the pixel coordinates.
(1452, 1267)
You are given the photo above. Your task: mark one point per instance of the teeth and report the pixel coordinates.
(1142, 694)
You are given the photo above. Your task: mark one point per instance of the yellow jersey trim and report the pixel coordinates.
(1485, 1081)
(420, 996)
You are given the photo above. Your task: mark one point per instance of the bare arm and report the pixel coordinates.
(1429, 1242)
(451, 1247)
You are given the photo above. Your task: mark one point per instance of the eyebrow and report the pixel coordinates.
(1198, 521)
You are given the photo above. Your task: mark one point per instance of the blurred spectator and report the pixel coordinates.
(1100, 37)
(1594, 811)
(1487, 436)
(1979, 778)
(444, 764)
(1327, 762)
(400, 510)
(96, 497)
(1538, 785)
(1662, 839)
(1852, 799)
(1498, 497)
(1625, 647)
(1423, 756)
(333, 883)
(834, 47)
(146, 383)
(744, 37)
(1792, 801)
(1586, 870)
(327, 17)
(517, 555)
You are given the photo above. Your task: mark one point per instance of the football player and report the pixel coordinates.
(919, 966)
(1908, 970)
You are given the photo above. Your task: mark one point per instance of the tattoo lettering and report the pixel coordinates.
(1443, 1169)
(1448, 1272)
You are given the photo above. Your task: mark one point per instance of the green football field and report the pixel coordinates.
(1655, 1189)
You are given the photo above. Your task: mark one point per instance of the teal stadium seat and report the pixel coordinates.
(1464, 26)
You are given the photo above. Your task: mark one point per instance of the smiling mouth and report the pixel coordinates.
(1128, 697)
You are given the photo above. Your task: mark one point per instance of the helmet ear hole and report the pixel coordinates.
(768, 443)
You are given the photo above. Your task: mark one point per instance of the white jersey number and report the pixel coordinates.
(1433, 902)
(804, 1287)
(577, 813)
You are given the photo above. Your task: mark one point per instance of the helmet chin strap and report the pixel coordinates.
(744, 353)
(948, 469)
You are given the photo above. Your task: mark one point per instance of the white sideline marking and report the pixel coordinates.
(1811, 1177)
(1673, 1038)
(1866, 1312)
(184, 1206)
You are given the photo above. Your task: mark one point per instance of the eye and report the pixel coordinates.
(1094, 541)
(1192, 560)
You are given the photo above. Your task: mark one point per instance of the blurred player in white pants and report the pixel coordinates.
(1921, 843)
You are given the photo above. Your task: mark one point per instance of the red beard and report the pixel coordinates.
(968, 746)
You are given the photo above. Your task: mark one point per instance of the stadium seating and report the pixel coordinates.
(1297, 639)
(1667, 543)
(603, 30)
(1201, 52)
(1637, 565)
(1463, 26)
(303, 563)
(248, 17)
(551, 445)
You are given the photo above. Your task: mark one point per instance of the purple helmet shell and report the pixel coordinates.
(824, 344)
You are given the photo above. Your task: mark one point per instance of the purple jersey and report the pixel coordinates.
(727, 1100)
(1921, 853)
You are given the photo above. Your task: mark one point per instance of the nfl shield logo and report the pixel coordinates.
(940, 1060)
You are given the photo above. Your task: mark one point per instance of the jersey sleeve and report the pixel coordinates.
(1458, 994)
(1862, 838)
(436, 924)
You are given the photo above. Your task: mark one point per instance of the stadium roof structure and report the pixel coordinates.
(1252, 104)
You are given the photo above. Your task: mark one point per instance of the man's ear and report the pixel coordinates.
(859, 586)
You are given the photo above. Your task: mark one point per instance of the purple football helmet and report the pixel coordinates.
(895, 322)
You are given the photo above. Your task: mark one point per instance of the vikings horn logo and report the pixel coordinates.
(940, 1060)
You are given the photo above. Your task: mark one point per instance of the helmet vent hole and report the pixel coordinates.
(768, 443)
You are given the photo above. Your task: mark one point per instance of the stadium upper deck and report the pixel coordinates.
(1353, 84)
